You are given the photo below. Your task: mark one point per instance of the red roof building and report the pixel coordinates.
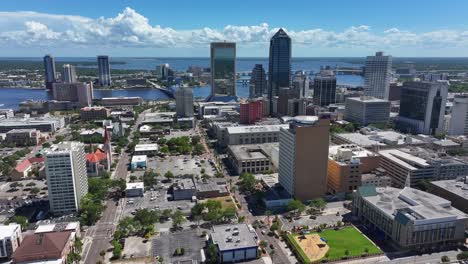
(44, 247)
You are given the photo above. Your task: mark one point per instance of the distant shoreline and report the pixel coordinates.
(26, 88)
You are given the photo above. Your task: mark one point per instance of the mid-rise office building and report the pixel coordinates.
(223, 69)
(285, 94)
(325, 88)
(367, 110)
(395, 92)
(409, 166)
(300, 82)
(49, 71)
(184, 102)
(298, 106)
(90, 113)
(303, 157)
(67, 180)
(346, 163)
(258, 81)
(251, 111)
(459, 120)
(238, 135)
(23, 137)
(6, 113)
(252, 158)
(372, 139)
(121, 101)
(279, 66)
(377, 76)
(453, 190)
(10, 239)
(69, 73)
(104, 72)
(410, 218)
(79, 93)
(422, 107)
(43, 124)
(234, 243)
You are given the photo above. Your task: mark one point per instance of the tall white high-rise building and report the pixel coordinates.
(68, 73)
(104, 70)
(162, 71)
(67, 180)
(184, 102)
(459, 119)
(377, 75)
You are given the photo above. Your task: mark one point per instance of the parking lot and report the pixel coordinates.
(180, 133)
(166, 244)
(333, 213)
(182, 165)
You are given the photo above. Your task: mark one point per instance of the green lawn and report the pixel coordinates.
(347, 238)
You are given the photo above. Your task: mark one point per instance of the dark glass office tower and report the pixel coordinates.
(279, 68)
(258, 81)
(324, 88)
(223, 69)
(49, 71)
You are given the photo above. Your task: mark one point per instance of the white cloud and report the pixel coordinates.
(131, 29)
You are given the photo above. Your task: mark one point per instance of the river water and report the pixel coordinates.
(11, 97)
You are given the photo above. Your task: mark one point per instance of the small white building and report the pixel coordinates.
(10, 239)
(138, 162)
(146, 149)
(235, 243)
(135, 189)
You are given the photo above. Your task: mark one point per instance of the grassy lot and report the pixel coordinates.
(226, 201)
(347, 238)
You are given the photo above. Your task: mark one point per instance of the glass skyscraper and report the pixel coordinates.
(223, 69)
(104, 71)
(279, 68)
(49, 71)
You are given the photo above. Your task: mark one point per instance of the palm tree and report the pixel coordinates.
(268, 213)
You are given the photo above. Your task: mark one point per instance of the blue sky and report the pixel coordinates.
(185, 28)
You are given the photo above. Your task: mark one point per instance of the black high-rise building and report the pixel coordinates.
(49, 71)
(325, 88)
(258, 81)
(279, 68)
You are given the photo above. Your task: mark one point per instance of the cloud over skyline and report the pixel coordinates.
(130, 30)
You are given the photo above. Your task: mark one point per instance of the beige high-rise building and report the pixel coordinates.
(303, 157)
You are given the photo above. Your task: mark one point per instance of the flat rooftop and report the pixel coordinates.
(7, 230)
(233, 237)
(379, 138)
(244, 153)
(419, 206)
(404, 159)
(135, 185)
(22, 130)
(184, 184)
(146, 147)
(211, 186)
(367, 99)
(459, 188)
(357, 152)
(255, 129)
(139, 158)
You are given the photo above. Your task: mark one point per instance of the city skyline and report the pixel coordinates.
(131, 29)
